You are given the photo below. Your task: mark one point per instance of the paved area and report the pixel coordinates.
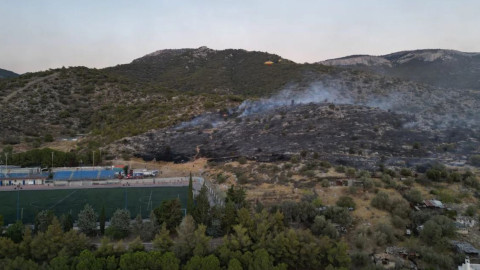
(147, 182)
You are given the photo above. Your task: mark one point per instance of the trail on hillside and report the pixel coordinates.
(14, 93)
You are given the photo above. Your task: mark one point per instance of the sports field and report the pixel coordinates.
(136, 199)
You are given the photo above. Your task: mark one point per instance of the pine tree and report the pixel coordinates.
(230, 216)
(87, 220)
(190, 204)
(170, 212)
(202, 209)
(67, 222)
(162, 241)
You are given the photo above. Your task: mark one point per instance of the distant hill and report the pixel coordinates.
(203, 70)
(7, 74)
(442, 68)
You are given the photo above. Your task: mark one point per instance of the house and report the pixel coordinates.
(468, 222)
(468, 266)
(436, 204)
(17, 176)
(466, 248)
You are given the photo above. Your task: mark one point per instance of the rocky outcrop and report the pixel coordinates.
(440, 68)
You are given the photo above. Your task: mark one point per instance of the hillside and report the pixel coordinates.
(7, 74)
(63, 103)
(441, 68)
(152, 92)
(167, 88)
(352, 135)
(205, 70)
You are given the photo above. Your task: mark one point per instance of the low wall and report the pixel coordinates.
(172, 181)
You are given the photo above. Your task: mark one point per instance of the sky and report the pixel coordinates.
(38, 35)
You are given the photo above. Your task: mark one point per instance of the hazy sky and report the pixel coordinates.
(40, 34)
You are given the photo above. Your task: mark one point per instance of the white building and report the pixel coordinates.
(468, 266)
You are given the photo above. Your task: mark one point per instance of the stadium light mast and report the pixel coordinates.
(18, 204)
(6, 162)
(52, 159)
(93, 158)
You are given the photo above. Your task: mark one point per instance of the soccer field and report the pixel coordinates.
(136, 199)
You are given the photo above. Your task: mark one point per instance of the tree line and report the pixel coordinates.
(287, 236)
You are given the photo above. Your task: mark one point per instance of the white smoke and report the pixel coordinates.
(315, 93)
(389, 99)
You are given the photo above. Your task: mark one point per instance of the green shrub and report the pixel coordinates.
(475, 160)
(346, 201)
(242, 160)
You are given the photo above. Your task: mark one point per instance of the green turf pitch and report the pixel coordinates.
(60, 201)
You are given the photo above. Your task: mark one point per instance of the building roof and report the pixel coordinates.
(433, 203)
(465, 247)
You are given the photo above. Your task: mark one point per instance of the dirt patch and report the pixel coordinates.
(167, 169)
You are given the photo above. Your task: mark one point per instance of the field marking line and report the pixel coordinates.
(61, 200)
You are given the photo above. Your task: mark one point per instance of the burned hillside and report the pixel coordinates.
(342, 134)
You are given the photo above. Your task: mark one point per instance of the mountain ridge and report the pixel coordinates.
(438, 67)
(7, 74)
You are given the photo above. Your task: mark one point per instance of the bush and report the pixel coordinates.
(409, 181)
(338, 215)
(325, 183)
(381, 201)
(295, 159)
(472, 181)
(405, 172)
(325, 164)
(384, 234)
(360, 259)
(221, 178)
(414, 196)
(346, 201)
(386, 178)
(475, 160)
(115, 233)
(436, 228)
(340, 169)
(350, 172)
(398, 222)
(367, 183)
(48, 138)
(242, 160)
(471, 210)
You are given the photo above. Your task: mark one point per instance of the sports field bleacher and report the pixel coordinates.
(84, 175)
(107, 174)
(18, 175)
(62, 175)
(81, 173)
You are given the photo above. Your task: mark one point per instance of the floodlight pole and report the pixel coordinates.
(93, 158)
(126, 199)
(18, 204)
(52, 159)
